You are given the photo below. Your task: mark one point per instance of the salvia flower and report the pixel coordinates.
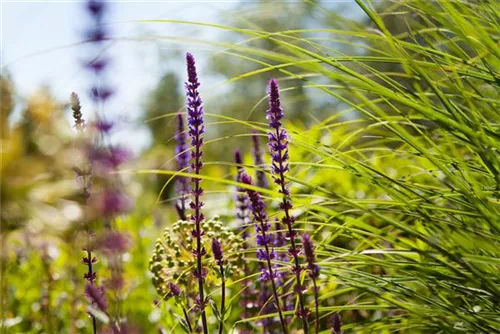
(96, 296)
(114, 242)
(264, 239)
(259, 163)
(313, 269)
(110, 203)
(175, 291)
(97, 65)
(278, 147)
(96, 8)
(337, 324)
(101, 94)
(182, 159)
(194, 106)
(310, 257)
(242, 208)
(217, 251)
(242, 203)
(103, 126)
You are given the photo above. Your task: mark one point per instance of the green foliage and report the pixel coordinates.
(395, 173)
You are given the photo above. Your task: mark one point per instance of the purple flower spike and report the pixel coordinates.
(174, 289)
(97, 35)
(96, 296)
(97, 66)
(310, 257)
(278, 147)
(264, 239)
(182, 157)
(259, 162)
(114, 243)
(194, 106)
(242, 203)
(103, 126)
(217, 251)
(111, 203)
(101, 94)
(96, 8)
(337, 324)
(313, 269)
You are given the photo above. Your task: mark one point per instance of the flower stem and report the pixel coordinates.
(291, 232)
(316, 302)
(273, 284)
(222, 306)
(187, 319)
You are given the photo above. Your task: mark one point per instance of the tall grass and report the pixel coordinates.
(401, 187)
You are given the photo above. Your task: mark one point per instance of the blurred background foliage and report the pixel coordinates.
(394, 120)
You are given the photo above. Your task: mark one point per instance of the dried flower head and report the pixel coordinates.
(74, 102)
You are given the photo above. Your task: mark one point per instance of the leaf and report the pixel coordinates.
(215, 309)
(182, 322)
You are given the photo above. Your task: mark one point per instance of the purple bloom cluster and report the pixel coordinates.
(242, 202)
(182, 158)
(96, 296)
(278, 147)
(264, 239)
(337, 324)
(174, 289)
(217, 251)
(97, 34)
(194, 106)
(259, 162)
(310, 257)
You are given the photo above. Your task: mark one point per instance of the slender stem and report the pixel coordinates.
(271, 273)
(292, 239)
(90, 273)
(197, 218)
(316, 301)
(187, 319)
(222, 306)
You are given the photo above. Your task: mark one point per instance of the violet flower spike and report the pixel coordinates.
(337, 324)
(242, 208)
(96, 296)
(264, 239)
(260, 174)
(182, 158)
(313, 271)
(194, 106)
(278, 147)
(242, 203)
